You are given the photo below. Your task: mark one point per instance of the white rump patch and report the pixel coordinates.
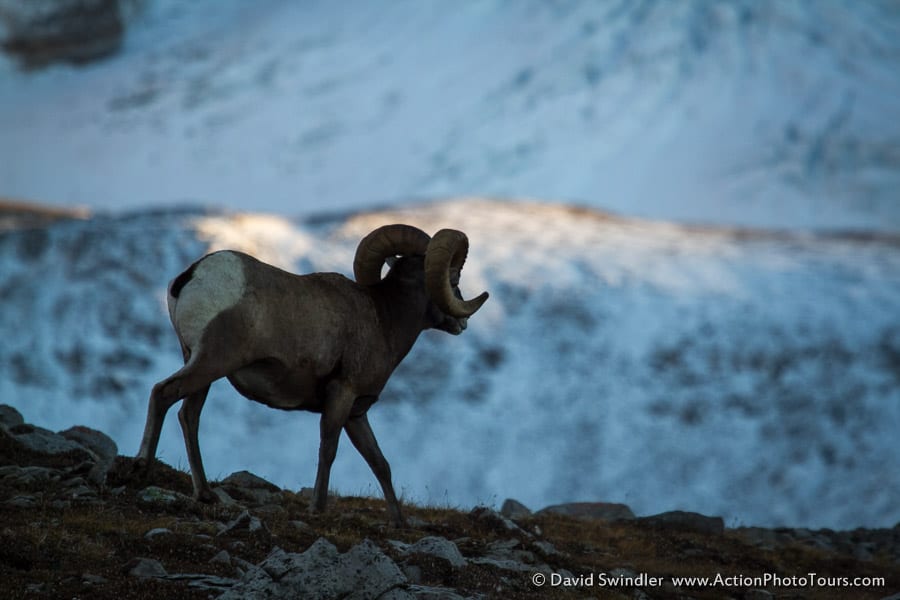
(216, 285)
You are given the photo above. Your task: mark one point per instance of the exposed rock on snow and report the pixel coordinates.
(41, 32)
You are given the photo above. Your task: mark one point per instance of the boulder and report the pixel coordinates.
(606, 511)
(321, 573)
(145, 567)
(434, 547)
(247, 487)
(496, 521)
(246, 479)
(103, 447)
(10, 417)
(513, 509)
(44, 441)
(679, 520)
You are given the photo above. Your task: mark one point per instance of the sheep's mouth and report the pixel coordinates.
(451, 325)
(456, 326)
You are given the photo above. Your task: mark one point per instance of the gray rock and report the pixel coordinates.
(24, 476)
(302, 527)
(513, 509)
(246, 486)
(435, 547)
(508, 564)
(224, 497)
(83, 494)
(413, 573)
(162, 497)
(74, 482)
(492, 518)
(606, 511)
(22, 501)
(507, 555)
(244, 522)
(10, 417)
(222, 558)
(157, 532)
(204, 582)
(546, 548)
(90, 579)
(44, 441)
(509, 550)
(243, 566)
(246, 479)
(98, 442)
(145, 567)
(678, 520)
(422, 592)
(103, 447)
(320, 573)
(399, 594)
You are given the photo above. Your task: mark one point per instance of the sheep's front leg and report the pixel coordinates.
(337, 407)
(360, 433)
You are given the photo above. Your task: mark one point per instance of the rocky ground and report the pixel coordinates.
(76, 523)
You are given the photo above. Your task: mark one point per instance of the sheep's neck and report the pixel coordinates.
(401, 319)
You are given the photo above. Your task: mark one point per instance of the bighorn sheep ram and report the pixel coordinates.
(317, 342)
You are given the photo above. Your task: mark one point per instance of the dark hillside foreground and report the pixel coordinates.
(74, 523)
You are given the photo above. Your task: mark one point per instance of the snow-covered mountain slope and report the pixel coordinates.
(761, 113)
(727, 371)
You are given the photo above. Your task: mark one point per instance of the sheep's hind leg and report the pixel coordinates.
(163, 395)
(191, 381)
(189, 417)
(157, 408)
(363, 439)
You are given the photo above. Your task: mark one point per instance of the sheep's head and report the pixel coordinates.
(435, 261)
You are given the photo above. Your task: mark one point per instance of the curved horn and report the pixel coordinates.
(388, 240)
(447, 251)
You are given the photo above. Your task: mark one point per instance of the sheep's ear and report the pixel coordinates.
(390, 260)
